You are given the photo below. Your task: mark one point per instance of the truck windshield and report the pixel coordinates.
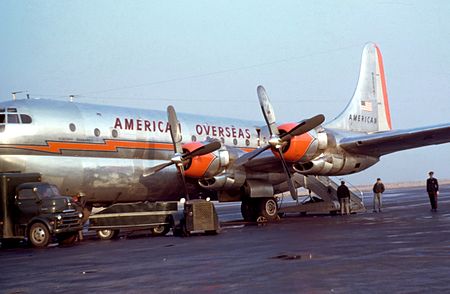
(48, 191)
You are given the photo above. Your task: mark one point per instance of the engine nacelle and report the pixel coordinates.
(205, 166)
(335, 164)
(304, 146)
(224, 181)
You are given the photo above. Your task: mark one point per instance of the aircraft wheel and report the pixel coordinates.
(248, 210)
(107, 234)
(160, 230)
(39, 236)
(268, 208)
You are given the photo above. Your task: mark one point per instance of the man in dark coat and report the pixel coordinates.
(433, 190)
(343, 194)
(378, 189)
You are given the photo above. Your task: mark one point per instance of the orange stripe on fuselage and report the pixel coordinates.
(107, 146)
(384, 89)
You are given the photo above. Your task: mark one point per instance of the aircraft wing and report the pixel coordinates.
(378, 144)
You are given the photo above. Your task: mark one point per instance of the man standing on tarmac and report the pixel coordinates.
(433, 190)
(343, 194)
(378, 189)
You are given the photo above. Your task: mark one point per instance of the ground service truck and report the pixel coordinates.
(35, 211)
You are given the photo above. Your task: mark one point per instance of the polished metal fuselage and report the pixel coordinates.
(103, 151)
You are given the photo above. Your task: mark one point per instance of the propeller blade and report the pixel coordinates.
(157, 168)
(268, 112)
(180, 168)
(289, 177)
(204, 149)
(175, 129)
(249, 156)
(304, 127)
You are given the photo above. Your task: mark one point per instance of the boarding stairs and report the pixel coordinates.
(325, 199)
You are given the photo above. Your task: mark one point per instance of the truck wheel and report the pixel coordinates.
(67, 239)
(107, 234)
(38, 235)
(160, 230)
(268, 208)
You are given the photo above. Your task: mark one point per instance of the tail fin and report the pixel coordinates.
(368, 110)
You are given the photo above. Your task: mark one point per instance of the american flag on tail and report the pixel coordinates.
(366, 105)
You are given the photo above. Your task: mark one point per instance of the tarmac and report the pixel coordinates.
(404, 249)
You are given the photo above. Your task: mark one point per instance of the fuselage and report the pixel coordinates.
(103, 151)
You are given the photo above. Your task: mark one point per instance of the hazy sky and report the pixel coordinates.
(209, 57)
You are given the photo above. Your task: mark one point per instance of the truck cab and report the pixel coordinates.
(36, 211)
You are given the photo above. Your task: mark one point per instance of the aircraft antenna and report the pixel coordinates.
(16, 92)
(72, 97)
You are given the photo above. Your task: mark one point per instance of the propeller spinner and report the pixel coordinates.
(179, 157)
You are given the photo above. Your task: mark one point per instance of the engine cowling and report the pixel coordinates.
(335, 164)
(225, 181)
(205, 166)
(299, 148)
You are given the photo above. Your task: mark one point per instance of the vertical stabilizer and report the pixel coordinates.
(368, 110)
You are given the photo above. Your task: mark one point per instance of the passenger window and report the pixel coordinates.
(13, 119)
(26, 119)
(2, 118)
(12, 110)
(26, 194)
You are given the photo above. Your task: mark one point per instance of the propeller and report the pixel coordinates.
(179, 158)
(277, 140)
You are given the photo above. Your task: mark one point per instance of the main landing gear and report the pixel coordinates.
(259, 209)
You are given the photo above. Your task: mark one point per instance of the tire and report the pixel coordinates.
(248, 210)
(39, 235)
(268, 208)
(107, 234)
(68, 238)
(160, 230)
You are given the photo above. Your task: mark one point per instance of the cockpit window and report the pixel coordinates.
(26, 119)
(13, 119)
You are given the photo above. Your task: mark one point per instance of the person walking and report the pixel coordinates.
(343, 194)
(378, 189)
(433, 190)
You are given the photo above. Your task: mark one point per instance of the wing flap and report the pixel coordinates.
(378, 144)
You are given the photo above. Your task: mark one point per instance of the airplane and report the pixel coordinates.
(118, 154)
